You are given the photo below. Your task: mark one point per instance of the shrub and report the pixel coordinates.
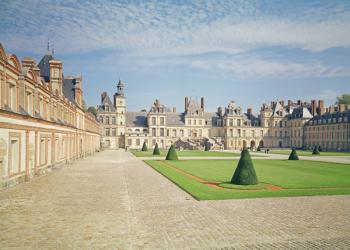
(245, 172)
(293, 155)
(316, 152)
(156, 150)
(207, 146)
(144, 147)
(258, 149)
(319, 149)
(172, 155)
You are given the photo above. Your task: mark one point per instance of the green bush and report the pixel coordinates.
(316, 151)
(207, 146)
(245, 172)
(319, 149)
(144, 147)
(258, 149)
(172, 155)
(156, 150)
(293, 155)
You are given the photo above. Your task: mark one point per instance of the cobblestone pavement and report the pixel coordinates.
(114, 201)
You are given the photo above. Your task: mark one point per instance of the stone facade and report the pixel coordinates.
(278, 125)
(42, 122)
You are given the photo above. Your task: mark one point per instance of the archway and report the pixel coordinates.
(252, 145)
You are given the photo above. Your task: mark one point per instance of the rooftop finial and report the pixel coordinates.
(48, 45)
(53, 49)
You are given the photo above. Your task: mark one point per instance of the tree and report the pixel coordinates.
(245, 172)
(172, 155)
(316, 151)
(319, 148)
(343, 99)
(84, 107)
(258, 149)
(156, 150)
(207, 146)
(144, 147)
(293, 155)
(92, 110)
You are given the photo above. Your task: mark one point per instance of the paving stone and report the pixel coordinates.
(113, 200)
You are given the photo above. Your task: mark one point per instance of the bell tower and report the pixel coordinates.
(119, 98)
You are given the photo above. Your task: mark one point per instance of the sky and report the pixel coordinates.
(251, 52)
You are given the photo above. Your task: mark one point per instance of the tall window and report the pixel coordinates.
(154, 132)
(107, 132)
(113, 132)
(153, 121)
(107, 119)
(162, 121)
(12, 97)
(162, 132)
(113, 120)
(29, 103)
(14, 166)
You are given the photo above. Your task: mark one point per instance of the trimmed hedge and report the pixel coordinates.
(144, 147)
(319, 149)
(172, 155)
(156, 150)
(207, 146)
(293, 155)
(316, 151)
(258, 149)
(245, 172)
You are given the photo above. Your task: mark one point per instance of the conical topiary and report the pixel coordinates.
(207, 146)
(156, 150)
(319, 149)
(316, 152)
(172, 155)
(258, 149)
(245, 172)
(144, 146)
(293, 155)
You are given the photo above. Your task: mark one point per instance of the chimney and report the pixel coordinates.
(174, 109)
(299, 102)
(202, 103)
(290, 103)
(249, 111)
(331, 109)
(341, 107)
(186, 103)
(313, 107)
(220, 111)
(28, 62)
(282, 103)
(321, 107)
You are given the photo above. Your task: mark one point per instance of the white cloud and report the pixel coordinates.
(154, 32)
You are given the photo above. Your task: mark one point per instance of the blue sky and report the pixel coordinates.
(248, 51)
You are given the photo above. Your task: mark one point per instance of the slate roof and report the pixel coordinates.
(44, 67)
(136, 119)
(300, 112)
(175, 119)
(68, 89)
(106, 101)
(328, 115)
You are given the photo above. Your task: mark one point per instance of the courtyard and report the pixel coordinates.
(113, 200)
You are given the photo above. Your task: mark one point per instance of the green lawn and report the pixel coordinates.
(307, 152)
(185, 153)
(297, 178)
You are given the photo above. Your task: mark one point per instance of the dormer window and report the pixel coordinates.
(107, 108)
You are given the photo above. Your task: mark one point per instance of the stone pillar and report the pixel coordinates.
(53, 148)
(36, 153)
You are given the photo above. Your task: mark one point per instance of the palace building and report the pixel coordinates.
(278, 125)
(42, 121)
